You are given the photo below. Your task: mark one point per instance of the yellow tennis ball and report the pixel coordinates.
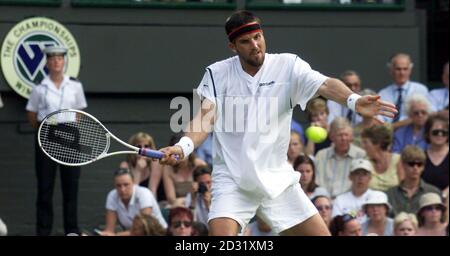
(316, 134)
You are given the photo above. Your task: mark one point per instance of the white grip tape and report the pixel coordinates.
(187, 145)
(351, 101)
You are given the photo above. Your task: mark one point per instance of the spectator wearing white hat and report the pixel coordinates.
(405, 224)
(377, 208)
(431, 216)
(351, 201)
(405, 197)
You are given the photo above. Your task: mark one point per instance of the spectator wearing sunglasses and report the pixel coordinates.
(345, 225)
(418, 108)
(125, 202)
(180, 222)
(405, 197)
(377, 207)
(436, 166)
(324, 206)
(405, 224)
(146, 173)
(431, 216)
(351, 201)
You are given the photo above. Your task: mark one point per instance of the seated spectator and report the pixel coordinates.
(351, 201)
(436, 167)
(431, 216)
(295, 147)
(353, 81)
(388, 170)
(377, 207)
(3, 229)
(324, 206)
(146, 173)
(126, 201)
(177, 179)
(405, 197)
(317, 112)
(146, 225)
(199, 199)
(439, 97)
(333, 163)
(405, 224)
(418, 108)
(305, 166)
(259, 228)
(180, 222)
(345, 225)
(298, 128)
(400, 66)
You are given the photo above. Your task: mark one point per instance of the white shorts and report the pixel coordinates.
(290, 208)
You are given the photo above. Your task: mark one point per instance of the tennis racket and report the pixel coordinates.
(73, 137)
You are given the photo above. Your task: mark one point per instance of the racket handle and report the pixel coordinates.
(153, 153)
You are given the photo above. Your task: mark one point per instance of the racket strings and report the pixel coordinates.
(73, 137)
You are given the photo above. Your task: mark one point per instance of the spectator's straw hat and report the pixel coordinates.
(430, 199)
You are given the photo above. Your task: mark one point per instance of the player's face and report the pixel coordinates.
(251, 49)
(55, 64)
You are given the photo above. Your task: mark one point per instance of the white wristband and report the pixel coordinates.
(351, 101)
(187, 145)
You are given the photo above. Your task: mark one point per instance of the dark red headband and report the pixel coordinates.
(244, 29)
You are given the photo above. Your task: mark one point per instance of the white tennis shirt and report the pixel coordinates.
(252, 129)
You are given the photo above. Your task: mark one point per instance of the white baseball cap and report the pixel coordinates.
(361, 164)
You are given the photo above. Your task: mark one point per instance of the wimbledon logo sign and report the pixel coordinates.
(22, 60)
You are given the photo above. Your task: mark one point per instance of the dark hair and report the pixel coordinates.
(123, 171)
(179, 211)
(431, 120)
(378, 135)
(337, 224)
(200, 171)
(303, 159)
(421, 218)
(199, 229)
(238, 19)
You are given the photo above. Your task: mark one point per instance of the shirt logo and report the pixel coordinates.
(267, 83)
(22, 60)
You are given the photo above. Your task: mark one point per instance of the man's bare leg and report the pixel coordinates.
(314, 226)
(223, 227)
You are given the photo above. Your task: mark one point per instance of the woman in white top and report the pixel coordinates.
(125, 202)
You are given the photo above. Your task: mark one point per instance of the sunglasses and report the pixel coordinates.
(142, 146)
(439, 132)
(432, 207)
(178, 223)
(420, 112)
(415, 163)
(323, 207)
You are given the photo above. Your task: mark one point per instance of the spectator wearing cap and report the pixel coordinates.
(351, 201)
(431, 216)
(405, 224)
(345, 225)
(56, 91)
(405, 197)
(126, 201)
(333, 163)
(418, 108)
(377, 207)
(324, 205)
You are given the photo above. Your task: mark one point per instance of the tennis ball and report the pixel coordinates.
(316, 134)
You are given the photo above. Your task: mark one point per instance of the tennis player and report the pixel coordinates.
(251, 174)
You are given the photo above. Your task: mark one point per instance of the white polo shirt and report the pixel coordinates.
(252, 129)
(45, 98)
(141, 198)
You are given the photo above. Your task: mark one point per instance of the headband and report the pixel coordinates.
(244, 29)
